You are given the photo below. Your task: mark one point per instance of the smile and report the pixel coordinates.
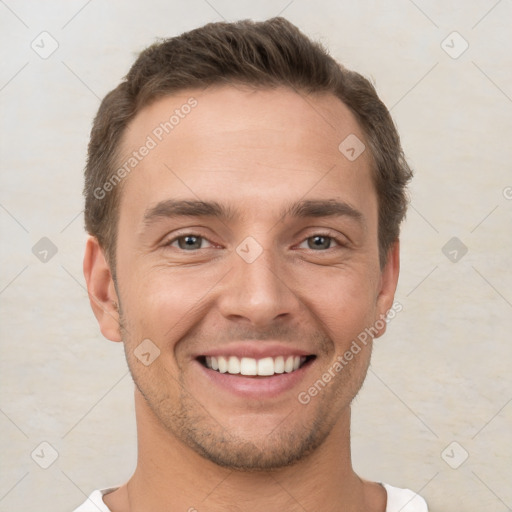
(249, 366)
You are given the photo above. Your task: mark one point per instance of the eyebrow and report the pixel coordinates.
(171, 208)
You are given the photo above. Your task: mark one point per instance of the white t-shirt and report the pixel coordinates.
(399, 500)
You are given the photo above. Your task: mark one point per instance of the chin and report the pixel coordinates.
(258, 452)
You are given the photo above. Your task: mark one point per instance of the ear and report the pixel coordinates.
(387, 287)
(101, 289)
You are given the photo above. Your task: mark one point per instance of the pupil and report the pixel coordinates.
(190, 242)
(324, 241)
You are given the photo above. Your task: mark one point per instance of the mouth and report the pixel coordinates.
(251, 367)
(252, 371)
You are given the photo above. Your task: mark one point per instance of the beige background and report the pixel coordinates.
(442, 372)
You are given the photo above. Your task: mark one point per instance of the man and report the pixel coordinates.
(244, 194)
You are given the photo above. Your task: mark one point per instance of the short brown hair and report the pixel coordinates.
(263, 54)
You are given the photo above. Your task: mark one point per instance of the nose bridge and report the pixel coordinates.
(256, 288)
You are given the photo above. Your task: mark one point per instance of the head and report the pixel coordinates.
(226, 217)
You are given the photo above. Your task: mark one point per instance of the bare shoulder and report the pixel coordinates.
(375, 496)
(117, 501)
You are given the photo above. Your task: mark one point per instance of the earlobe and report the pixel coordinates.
(388, 284)
(102, 293)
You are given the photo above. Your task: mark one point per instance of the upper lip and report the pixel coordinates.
(255, 350)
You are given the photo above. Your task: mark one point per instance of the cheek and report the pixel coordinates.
(343, 298)
(163, 302)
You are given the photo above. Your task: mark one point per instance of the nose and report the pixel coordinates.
(258, 291)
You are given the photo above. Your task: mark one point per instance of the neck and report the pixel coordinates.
(171, 476)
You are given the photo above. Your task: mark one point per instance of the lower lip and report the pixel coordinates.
(256, 387)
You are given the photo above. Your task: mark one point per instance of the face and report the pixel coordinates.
(247, 255)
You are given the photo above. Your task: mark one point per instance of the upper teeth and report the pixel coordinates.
(249, 366)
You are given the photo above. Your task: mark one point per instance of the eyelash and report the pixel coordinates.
(337, 240)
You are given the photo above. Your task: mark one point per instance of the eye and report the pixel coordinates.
(188, 242)
(192, 242)
(320, 242)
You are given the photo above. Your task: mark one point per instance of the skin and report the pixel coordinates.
(199, 445)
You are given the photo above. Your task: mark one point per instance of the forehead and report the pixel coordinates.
(238, 142)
